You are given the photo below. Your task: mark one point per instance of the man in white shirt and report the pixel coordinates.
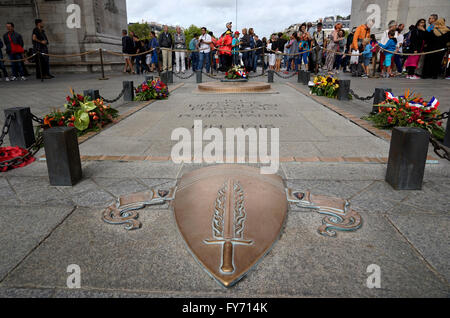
(204, 45)
(398, 59)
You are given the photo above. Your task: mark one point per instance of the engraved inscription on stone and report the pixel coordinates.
(228, 109)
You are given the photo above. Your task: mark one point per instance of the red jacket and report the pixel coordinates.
(225, 44)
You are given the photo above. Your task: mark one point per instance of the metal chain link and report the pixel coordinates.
(31, 151)
(184, 77)
(37, 119)
(5, 129)
(115, 99)
(285, 77)
(362, 98)
(440, 150)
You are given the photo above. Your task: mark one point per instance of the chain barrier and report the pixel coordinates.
(285, 76)
(439, 149)
(364, 99)
(30, 152)
(37, 119)
(184, 77)
(5, 129)
(110, 101)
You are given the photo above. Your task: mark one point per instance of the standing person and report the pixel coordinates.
(392, 26)
(166, 44)
(398, 59)
(226, 50)
(293, 53)
(304, 43)
(2, 65)
(340, 47)
(416, 45)
(235, 45)
(258, 53)
(193, 44)
(245, 45)
(280, 48)
(14, 49)
(375, 50)
(213, 52)
(127, 48)
(332, 47)
(252, 57)
(138, 59)
(180, 56)
(319, 41)
(361, 33)
(390, 46)
(40, 45)
(272, 55)
(348, 50)
(153, 45)
(205, 50)
(435, 40)
(367, 56)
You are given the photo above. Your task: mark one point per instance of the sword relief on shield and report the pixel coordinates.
(228, 223)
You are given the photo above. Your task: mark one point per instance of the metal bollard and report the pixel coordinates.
(165, 77)
(170, 75)
(344, 90)
(128, 95)
(447, 134)
(300, 76)
(306, 77)
(270, 76)
(62, 156)
(199, 76)
(21, 131)
(93, 94)
(407, 158)
(148, 78)
(380, 96)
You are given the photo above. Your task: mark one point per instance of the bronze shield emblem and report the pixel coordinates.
(230, 216)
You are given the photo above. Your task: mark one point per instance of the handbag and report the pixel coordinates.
(354, 58)
(15, 48)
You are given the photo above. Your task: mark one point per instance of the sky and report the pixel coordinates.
(265, 16)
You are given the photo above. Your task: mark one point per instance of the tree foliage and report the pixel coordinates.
(142, 30)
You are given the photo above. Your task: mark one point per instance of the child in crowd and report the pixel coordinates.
(367, 56)
(391, 46)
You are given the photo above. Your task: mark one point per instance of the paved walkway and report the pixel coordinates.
(45, 229)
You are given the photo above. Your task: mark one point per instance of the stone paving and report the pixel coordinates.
(45, 229)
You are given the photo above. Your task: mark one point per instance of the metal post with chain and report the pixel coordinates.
(5, 129)
(110, 101)
(364, 99)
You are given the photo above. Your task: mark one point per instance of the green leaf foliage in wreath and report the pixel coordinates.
(81, 120)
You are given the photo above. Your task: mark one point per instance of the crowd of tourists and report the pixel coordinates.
(14, 47)
(421, 51)
(358, 52)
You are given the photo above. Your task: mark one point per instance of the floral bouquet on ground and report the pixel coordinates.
(410, 110)
(82, 113)
(236, 72)
(149, 90)
(325, 86)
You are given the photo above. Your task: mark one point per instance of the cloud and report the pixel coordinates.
(265, 16)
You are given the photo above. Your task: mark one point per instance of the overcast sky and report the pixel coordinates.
(265, 16)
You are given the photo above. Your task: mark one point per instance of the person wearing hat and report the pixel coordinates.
(235, 46)
(225, 48)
